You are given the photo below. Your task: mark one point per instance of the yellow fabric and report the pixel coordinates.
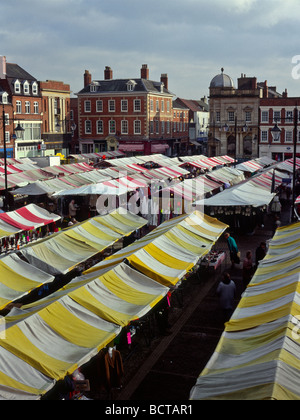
(250, 301)
(18, 344)
(123, 291)
(9, 382)
(164, 258)
(88, 301)
(155, 275)
(14, 280)
(69, 326)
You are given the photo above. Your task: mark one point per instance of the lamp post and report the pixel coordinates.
(17, 129)
(276, 133)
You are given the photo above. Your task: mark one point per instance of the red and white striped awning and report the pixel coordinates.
(28, 218)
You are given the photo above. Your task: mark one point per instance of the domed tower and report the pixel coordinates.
(220, 82)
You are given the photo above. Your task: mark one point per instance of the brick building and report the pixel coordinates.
(22, 103)
(132, 115)
(279, 110)
(57, 126)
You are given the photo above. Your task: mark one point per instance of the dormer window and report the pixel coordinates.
(26, 88)
(4, 97)
(130, 85)
(94, 86)
(34, 88)
(17, 86)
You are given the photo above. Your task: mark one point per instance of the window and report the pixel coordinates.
(157, 127)
(265, 116)
(131, 85)
(162, 106)
(248, 116)
(6, 119)
(289, 116)
(4, 97)
(7, 137)
(26, 88)
(71, 115)
(218, 116)
(36, 107)
(168, 126)
(157, 106)
(17, 86)
(137, 105)
(87, 106)
(88, 127)
(93, 88)
(264, 136)
(27, 107)
(18, 107)
(99, 127)
(231, 116)
(124, 127)
(151, 127)
(151, 105)
(288, 137)
(111, 106)
(124, 105)
(32, 131)
(137, 127)
(168, 106)
(276, 116)
(99, 106)
(112, 126)
(34, 88)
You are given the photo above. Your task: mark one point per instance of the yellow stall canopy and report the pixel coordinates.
(61, 252)
(51, 338)
(258, 356)
(171, 250)
(18, 278)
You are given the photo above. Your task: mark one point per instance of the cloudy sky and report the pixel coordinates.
(189, 40)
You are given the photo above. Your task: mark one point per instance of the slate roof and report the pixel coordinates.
(120, 85)
(14, 71)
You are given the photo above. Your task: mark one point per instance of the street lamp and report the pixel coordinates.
(18, 129)
(276, 133)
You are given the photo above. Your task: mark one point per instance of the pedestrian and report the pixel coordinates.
(247, 268)
(226, 291)
(276, 206)
(233, 249)
(277, 224)
(260, 253)
(72, 209)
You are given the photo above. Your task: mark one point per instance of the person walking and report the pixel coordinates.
(247, 268)
(233, 250)
(260, 253)
(227, 291)
(72, 209)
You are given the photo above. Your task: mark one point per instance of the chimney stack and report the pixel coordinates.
(164, 80)
(285, 94)
(108, 73)
(2, 67)
(87, 78)
(145, 72)
(266, 90)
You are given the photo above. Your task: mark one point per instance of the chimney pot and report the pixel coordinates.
(108, 73)
(2, 67)
(164, 80)
(145, 72)
(87, 78)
